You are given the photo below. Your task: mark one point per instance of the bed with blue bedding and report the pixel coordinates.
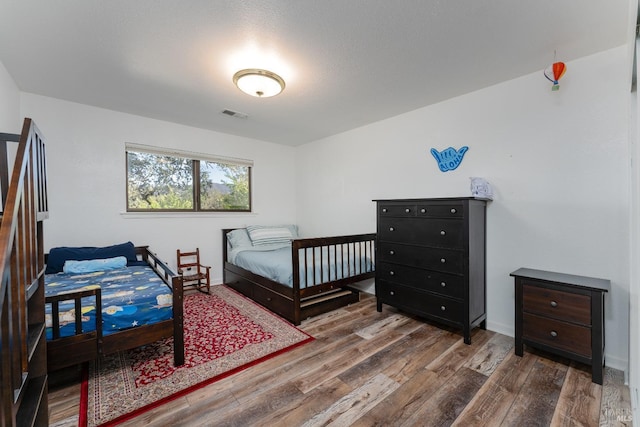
(97, 303)
(260, 261)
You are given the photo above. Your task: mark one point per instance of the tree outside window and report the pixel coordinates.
(162, 182)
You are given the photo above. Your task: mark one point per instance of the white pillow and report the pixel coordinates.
(239, 238)
(266, 235)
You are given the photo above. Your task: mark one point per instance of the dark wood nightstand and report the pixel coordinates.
(562, 314)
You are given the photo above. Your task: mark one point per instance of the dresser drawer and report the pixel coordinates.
(422, 209)
(444, 260)
(557, 334)
(433, 210)
(397, 210)
(442, 283)
(562, 305)
(444, 233)
(419, 302)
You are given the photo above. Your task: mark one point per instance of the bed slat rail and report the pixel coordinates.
(343, 259)
(174, 281)
(77, 297)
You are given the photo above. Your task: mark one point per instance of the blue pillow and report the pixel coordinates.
(58, 256)
(92, 265)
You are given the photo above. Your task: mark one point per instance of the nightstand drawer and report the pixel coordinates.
(561, 305)
(557, 334)
(427, 280)
(442, 233)
(445, 260)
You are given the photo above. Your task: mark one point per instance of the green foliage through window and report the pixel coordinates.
(158, 182)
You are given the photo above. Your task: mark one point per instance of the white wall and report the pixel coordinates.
(10, 121)
(558, 163)
(86, 173)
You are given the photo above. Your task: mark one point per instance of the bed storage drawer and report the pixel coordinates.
(274, 301)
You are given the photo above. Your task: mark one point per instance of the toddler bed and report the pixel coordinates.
(259, 262)
(104, 300)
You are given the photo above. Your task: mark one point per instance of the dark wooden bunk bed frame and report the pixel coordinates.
(297, 303)
(23, 376)
(83, 347)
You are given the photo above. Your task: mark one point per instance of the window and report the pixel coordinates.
(160, 180)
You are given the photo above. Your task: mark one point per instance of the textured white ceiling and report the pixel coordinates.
(346, 63)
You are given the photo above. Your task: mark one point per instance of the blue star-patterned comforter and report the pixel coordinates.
(131, 296)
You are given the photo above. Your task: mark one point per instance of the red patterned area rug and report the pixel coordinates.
(224, 333)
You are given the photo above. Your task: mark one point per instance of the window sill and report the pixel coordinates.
(147, 215)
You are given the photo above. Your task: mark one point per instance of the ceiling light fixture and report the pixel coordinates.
(258, 83)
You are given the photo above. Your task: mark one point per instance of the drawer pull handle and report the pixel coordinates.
(443, 308)
(554, 334)
(453, 210)
(554, 304)
(423, 210)
(391, 273)
(391, 229)
(407, 210)
(391, 293)
(442, 260)
(391, 253)
(384, 209)
(442, 232)
(443, 284)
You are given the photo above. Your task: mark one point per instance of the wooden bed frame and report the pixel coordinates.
(83, 347)
(297, 303)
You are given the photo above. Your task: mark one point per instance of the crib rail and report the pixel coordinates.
(325, 263)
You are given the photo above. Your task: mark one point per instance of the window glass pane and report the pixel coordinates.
(159, 182)
(224, 187)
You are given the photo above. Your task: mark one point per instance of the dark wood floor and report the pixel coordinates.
(388, 369)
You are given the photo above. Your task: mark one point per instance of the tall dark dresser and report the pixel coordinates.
(430, 259)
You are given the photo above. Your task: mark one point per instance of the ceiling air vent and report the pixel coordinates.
(236, 114)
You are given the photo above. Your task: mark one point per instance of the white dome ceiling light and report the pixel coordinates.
(258, 83)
